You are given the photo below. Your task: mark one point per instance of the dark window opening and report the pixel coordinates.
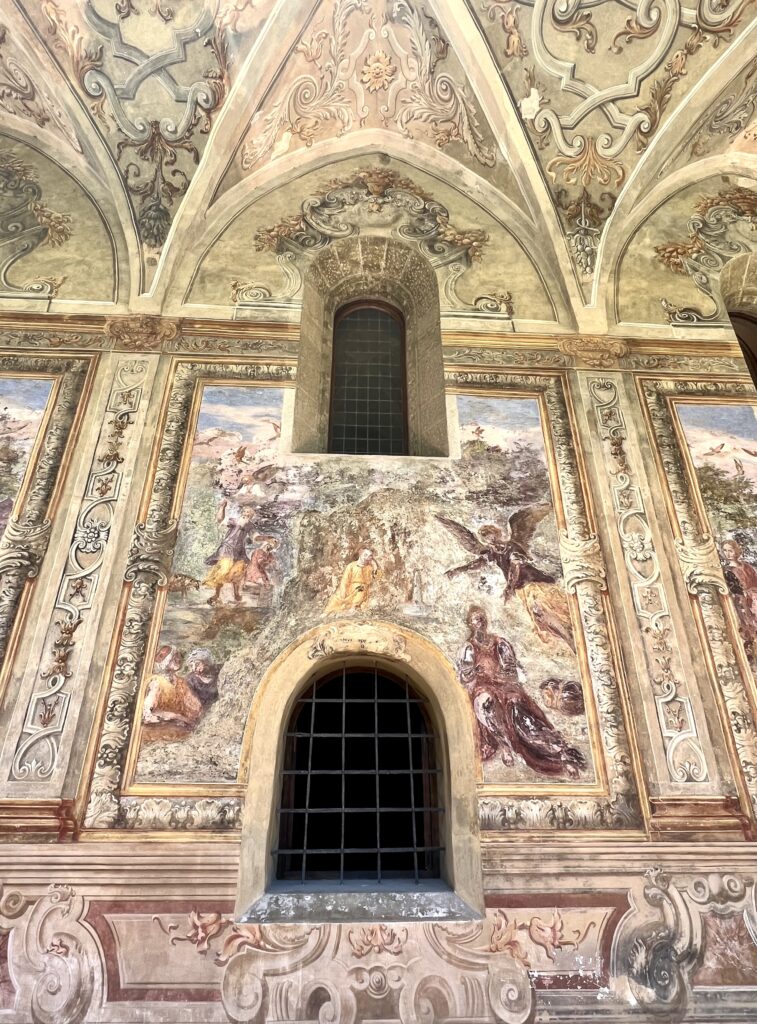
(745, 329)
(360, 790)
(368, 402)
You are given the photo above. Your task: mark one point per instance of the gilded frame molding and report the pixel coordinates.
(699, 562)
(613, 803)
(27, 535)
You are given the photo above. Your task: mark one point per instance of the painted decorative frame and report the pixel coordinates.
(612, 803)
(699, 561)
(24, 542)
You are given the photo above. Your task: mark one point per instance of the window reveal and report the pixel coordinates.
(360, 783)
(368, 414)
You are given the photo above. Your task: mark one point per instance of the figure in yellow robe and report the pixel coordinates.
(355, 585)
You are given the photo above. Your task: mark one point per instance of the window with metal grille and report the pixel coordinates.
(368, 404)
(360, 789)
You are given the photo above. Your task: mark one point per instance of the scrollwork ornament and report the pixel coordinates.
(662, 954)
(700, 564)
(56, 960)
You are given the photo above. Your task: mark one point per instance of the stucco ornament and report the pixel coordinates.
(596, 352)
(26, 222)
(378, 72)
(326, 90)
(709, 246)
(156, 144)
(372, 200)
(592, 119)
(21, 95)
(357, 638)
(700, 565)
(55, 964)
(141, 333)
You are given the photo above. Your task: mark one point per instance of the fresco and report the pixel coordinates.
(23, 401)
(722, 441)
(464, 551)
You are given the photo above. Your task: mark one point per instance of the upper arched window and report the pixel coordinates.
(368, 411)
(360, 793)
(376, 302)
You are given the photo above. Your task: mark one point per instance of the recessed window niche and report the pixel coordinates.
(371, 270)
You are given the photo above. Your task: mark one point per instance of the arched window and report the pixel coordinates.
(361, 783)
(368, 413)
(378, 290)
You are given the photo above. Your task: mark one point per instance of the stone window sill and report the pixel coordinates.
(323, 902)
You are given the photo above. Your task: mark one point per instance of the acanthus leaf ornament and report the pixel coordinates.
(151, 552)
(388, 201)
(596, 352)
(21, 96)
(26, 223)
(156, 154)
(591, 120)
(582, 561)
(707, 250)
(700, 564)
(143, 332)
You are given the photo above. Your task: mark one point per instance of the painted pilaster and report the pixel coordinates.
(65, 648)
(678, 739)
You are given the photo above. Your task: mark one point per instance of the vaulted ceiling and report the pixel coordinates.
(563, 164)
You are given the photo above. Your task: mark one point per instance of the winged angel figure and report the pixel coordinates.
(508, 550)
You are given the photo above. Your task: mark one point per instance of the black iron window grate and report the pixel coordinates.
(360, 784)
(368, 384)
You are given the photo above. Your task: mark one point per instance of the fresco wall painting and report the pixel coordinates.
(25, 402)
(41, 403)
(706, 435)
(466, 552)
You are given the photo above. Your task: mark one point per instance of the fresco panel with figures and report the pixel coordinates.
(462, 550)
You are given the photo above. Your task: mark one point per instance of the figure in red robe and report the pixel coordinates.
(509, 721)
